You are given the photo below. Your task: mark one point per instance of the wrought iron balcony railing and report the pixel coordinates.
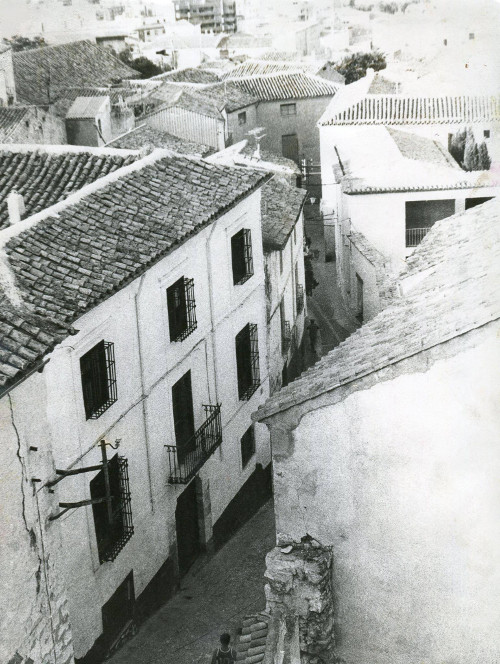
(300, 299)
(286, 337)
(414, 236)
(186, 461)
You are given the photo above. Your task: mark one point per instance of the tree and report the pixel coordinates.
(484, 157)
(146, 67)
(457, 146)
(353, 67)
(19, 43)
(470, 155)
(388, 7)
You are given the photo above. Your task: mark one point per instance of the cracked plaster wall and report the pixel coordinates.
(400, 476)
(34, 619)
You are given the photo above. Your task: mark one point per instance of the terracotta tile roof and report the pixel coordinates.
(145, 135)
(114, 93)
(84, 108)
(294, 85)
(420, 148)
(64, 265)
(10, 117)
(456, 271)
(400, 110)
(189, 75)
(263, 68)
(44, 178)
(252, 642)
(40, 72)
(382, 86)
(270, 157)
(281, 205)
(283, 56)
(230, 96)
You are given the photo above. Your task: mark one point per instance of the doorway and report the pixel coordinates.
(187, 528)
(182, 405)
(290, 147)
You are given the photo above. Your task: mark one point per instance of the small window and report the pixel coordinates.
(445, 42)
(113, 522)
(281, 262)
(288, 109)
(486, 133)
(247, 361)
(247, 446)
(241, 254)
(471, 35)
(242, 118)
(181, 309)
(97, 368)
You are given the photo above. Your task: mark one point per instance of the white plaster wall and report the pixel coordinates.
(371, 298)
(402, 480)
(147, 366)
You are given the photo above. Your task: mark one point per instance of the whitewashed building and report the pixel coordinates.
(133, 354)
(387, 452)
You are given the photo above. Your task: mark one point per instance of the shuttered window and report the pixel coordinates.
(247, 361)
(241, 255)
(181, 309)
(97, 368)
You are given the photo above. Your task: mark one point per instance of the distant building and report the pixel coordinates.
(386, 452)
(143, 137)
(212, 15)
(129, 370)
(93, 121)
(30, 124)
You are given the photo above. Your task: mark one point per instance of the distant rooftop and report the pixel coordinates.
(294, 85)
(281, 206)
(257, 67)
(40, 72)
(10, 118)
(458, 264)
(144, 136)
(188, 75)
(44, 176)
(84, 108)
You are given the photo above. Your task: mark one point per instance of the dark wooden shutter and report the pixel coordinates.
(182, 405)
(243, 363)
(238, 257)
(177, 310)
(94, 379)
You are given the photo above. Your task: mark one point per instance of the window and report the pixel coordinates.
(97, 368)
(242, 118)
(247, 361)
(486, 133)
(113, 521)
(241, 254)
(182, 406)
(471, 35)
(281, 262)
(247, 446)
(288, 109)
(181, 309)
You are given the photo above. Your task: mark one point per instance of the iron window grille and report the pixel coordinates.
(181, 307)
(247, 443)
(204, 442)
(247, 361)
(286, 337)
(286, 110)
(98, 373)
(113, 523)
(300, 299)
(241, 255)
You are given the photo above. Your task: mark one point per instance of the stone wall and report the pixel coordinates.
(299, 593)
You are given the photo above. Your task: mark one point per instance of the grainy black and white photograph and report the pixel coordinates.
(249, 332)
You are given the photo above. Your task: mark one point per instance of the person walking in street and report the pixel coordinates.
(224, 654)
(313, 334)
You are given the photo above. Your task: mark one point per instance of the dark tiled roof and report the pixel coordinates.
(65, 265)
(456, 272)
(189, 75)
(294, 85)
(229, 96)
(263, 68)
(44, 178)
(24, 340)
(86, 107)
(10, 117)
(394, 110)
(114, 93)
(190, 99)
(144, 136)
(252, 642)
(41, 72)
(281, 206)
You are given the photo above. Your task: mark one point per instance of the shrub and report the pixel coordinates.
(353, 67)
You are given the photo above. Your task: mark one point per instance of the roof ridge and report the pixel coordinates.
(9, 232)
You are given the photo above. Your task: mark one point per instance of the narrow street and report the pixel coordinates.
(325, 306)
(214, 597)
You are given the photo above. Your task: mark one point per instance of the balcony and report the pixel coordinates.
(300, 299)
(199, 448)
(414, 236)
(286, 337)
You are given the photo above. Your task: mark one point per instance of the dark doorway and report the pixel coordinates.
(187, 527)
(182, 405)
(472, 202)
(290, 147)
(118, 610)
(284, 375)
(359, 298)
(422, 215)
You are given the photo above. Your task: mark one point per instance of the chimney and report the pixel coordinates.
(15, 205)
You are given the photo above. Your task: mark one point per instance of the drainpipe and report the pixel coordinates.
(143, 392)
